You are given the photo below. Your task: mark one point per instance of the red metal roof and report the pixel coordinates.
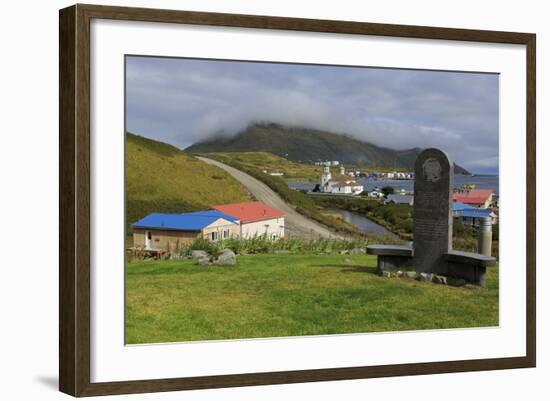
(248, 212)
(469, 200)
(474, 197)
(482, 193)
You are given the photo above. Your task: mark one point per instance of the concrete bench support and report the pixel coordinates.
(391, 257)
(468, 266)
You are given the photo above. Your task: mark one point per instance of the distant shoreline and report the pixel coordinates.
(490, 181)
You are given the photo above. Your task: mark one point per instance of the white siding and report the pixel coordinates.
(219, 226)
(274, 228)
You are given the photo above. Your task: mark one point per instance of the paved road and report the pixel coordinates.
(295, 223)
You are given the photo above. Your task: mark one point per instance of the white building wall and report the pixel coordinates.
(343, 190)
(275, 228)
(219, 226)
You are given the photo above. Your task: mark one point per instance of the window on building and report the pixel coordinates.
(226, 233)
(214, 235)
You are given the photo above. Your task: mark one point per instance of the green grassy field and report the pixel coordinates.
(272, 164)
(161, 178)
(291, 295)
(293, 171)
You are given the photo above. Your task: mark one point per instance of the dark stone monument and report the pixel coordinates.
(432, 211)
(432, 254)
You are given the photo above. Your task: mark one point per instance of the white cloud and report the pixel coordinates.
(183, 101)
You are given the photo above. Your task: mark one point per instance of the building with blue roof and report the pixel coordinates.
(168, 231)
(471, 215)
(457, 206)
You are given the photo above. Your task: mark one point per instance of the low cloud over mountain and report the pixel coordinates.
(183, 101)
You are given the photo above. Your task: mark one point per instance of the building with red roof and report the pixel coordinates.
(256, 218)
(480, 198)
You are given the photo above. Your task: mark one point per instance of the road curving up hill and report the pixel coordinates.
(295, 223)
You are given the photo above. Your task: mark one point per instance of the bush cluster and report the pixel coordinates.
(264, 245)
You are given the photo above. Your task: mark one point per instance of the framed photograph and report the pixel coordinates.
(250, 200)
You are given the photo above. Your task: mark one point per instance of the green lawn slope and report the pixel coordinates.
(292, 295)
(162, 178)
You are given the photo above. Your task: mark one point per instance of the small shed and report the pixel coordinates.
(167, 231)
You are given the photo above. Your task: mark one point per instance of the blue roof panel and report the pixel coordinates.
(462, 206)
(474, 213)
(195, 221)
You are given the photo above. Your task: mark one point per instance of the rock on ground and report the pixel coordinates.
(439, 279)
(425, 277)
(411, 275)
(199, 254)
(226, 258)
(203, 261)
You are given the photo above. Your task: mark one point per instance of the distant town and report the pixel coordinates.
(394, 175)
(470, 204)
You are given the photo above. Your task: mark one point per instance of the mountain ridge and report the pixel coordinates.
(307, 145)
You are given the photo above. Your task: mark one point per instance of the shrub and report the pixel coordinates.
(388, 190)
(262, 244)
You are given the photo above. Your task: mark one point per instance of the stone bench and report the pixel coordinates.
(391, 257)
(468, 266)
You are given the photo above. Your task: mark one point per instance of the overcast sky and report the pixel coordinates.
(182, 101)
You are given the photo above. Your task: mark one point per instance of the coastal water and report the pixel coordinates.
(480, 181)
(364, 224)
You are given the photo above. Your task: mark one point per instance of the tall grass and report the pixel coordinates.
(262, 244)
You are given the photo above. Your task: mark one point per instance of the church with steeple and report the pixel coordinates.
(341, 184)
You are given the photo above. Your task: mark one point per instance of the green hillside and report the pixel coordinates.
(271, 163)
(309, 145)
(162, 178)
